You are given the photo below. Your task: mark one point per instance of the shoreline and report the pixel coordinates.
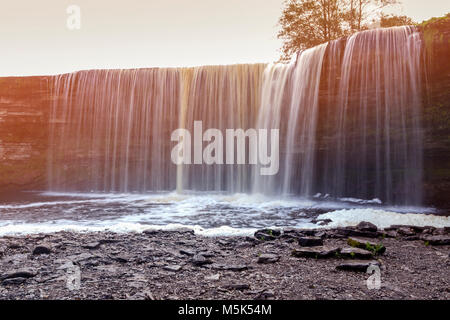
(294, 264)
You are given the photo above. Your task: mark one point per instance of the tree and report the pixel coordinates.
(387, 21)
(307, 23)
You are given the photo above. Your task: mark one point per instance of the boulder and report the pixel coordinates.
(367, 226)
(41, 249)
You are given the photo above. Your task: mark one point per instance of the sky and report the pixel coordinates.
(35, 38)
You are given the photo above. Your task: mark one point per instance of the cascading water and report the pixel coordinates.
(373, 130)
(348, 115)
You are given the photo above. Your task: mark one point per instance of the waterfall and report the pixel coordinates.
(374, 131)
(348, 113)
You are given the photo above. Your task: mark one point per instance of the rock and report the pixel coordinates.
(150, 232)
(199, 260)
(207, 254)
(366, 226)
(438, 240)
(214, 277)
(187, 252)
(264, 294)
(14, 281)
(92, 245)
(268, 258)
(356, 253)
(267, 234)
(173, 268)
(405, 231)
(316, 252)
(356, 265)
(237, 286)
(229, 267)
(350, 232)
(390, 233)
(41, 249)
(21, 273)
(81, 257)
(310, 241)
(376, 248)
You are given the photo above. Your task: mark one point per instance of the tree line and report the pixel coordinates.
(307, 23)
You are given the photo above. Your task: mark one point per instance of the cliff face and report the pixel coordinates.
(436, 113)
(24, 114)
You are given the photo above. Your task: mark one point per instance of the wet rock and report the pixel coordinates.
(267, 234)
(316, 252)
(310, 241)
(356, 265)
(199, 260)
(366, 226)
(377, 248)
(438, 240)
(268, 258)
(41, 249)
(355, 253)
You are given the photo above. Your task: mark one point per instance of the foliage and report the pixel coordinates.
(307, 23)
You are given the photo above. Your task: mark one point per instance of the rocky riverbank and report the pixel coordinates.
(294, 264)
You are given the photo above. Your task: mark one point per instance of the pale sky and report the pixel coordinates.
(35, 40)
